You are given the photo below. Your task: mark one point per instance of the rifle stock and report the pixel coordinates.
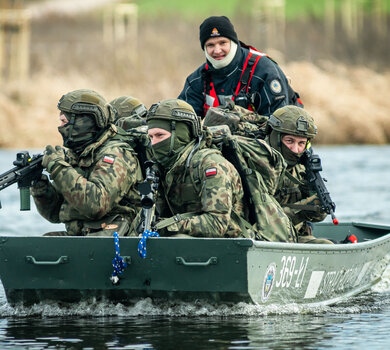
(312, 163)
(26, 170)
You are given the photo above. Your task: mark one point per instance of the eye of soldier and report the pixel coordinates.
(288, 140)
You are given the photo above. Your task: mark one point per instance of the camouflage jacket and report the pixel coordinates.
(201, 195)
(297, 200)
(95, 188)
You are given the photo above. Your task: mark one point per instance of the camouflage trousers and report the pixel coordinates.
(313, 240)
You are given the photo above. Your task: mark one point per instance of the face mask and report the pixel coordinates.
(161, 152)
(291, 157)
(79, 132)
(168, 151)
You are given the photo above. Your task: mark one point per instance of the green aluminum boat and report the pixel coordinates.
(72, 269)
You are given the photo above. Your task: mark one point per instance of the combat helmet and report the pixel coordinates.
(175, 110)
(126, 106)
(293, 120)
(89, 102)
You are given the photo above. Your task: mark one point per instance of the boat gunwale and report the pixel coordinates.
(239, 241)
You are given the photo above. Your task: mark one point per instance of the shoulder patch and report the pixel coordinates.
(275, 86)
(108, 159)
(211, 171)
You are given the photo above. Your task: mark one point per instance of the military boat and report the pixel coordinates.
(72, 269)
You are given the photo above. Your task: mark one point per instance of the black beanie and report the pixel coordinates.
(216, 26)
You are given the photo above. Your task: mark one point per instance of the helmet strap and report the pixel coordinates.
(71, 123)
(173, 134)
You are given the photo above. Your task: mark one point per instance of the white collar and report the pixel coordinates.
(218, 64)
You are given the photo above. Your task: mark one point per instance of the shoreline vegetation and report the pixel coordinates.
(348, 95)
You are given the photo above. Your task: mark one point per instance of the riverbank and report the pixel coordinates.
(349, 102)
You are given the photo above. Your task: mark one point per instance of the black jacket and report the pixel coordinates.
(268, 87)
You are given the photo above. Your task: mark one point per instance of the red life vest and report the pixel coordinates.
(211, 98)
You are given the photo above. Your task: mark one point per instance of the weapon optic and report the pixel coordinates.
(27, 170)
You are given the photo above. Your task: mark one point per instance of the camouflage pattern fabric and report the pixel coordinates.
(298, 202)
(208, 189)
(240, 120)
(261, 169)
(93, 193)
(134, 121)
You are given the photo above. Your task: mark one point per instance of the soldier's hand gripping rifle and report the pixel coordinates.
(27, 169)
(312, 163)
(148, 189)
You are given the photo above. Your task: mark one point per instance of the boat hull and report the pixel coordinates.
(71, 269)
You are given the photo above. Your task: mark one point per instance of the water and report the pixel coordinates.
(359, 184)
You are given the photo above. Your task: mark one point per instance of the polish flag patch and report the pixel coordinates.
(108, 159)
(211, 172)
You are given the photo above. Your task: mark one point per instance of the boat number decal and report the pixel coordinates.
(268, 281)
(292, 272)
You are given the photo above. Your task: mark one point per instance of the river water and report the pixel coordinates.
(358, 180)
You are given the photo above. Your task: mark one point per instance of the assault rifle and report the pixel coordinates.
(148, 189)
(27, 169)
(312, 163)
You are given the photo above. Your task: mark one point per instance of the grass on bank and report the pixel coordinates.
(294, 8)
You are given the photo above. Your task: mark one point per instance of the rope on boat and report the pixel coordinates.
(118, 262)
(142, 242)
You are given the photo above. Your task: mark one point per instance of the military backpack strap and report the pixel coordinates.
(293, 179)
(247, 229)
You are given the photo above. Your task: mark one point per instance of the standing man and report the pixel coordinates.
(234, 71)
(291, 129)
(93, 188)
(200, 192)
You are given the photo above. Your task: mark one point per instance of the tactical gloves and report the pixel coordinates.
(54, 160)
(40, 187)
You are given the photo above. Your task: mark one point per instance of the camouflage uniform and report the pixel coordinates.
(200, 192)
(93, 189)
(299, 202)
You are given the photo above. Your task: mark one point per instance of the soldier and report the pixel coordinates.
(94, 177)
(235, 71)
(130, 112)
(291, 129)
(200, 192)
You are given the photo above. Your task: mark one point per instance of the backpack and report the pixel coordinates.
(261, 168)
(241, 121)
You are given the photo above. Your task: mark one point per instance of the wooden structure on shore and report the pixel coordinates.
(14, 41)
(120, 26)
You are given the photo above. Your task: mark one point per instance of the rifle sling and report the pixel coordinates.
(306, 207)
(293, 178)
(173, 219)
